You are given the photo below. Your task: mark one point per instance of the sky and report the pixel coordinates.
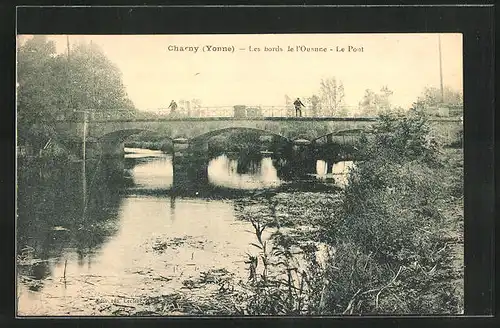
(154, 75)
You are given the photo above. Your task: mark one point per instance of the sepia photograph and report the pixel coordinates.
(239, 174)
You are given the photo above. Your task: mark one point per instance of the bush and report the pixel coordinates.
(390, 248)
(388, 207)
(400, 138)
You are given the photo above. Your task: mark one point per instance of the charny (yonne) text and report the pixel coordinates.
(205, 48)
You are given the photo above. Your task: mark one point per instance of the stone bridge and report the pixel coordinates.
(109, 135)
(189, 128)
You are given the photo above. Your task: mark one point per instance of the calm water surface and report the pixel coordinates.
(122, 232)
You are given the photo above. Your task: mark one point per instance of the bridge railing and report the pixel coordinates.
(249, 111)
(196, 112)
(223, 111)
(200, 112)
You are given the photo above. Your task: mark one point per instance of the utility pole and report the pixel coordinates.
(67, 45)
(84, 135)
(68, 74)
(440, 69)
(84, 165)
(84, 158)
(93, 94)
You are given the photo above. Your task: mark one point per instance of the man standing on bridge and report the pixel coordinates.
(173, 106)
(298, 110)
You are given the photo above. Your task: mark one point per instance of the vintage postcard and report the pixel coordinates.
(240, 174)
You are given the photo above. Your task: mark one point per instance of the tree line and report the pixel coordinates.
(330, 100)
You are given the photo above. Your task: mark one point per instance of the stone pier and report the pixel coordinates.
(302, 157)
(190, 167)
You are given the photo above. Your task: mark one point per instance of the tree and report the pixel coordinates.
(289, 105)
(383, 101)
(50, 85)
(38, 90)
(376, 103)
(183, 107)
(332, 95)
(368, 104)
(315, 103)
(96, 83)
(36, 83)
(196, 107)
(431, 98)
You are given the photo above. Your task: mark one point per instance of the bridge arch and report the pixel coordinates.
(112, 143)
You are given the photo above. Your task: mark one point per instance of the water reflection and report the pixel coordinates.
(156, 171)
(337, 172)
(98, 224)
(142, 153)
(153, 174)
(243, 174)
(66, 254)
(53, 221)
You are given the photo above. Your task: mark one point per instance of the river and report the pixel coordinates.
(109, 233)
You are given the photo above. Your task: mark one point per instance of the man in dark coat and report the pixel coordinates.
(298, 104)
(173, 106)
